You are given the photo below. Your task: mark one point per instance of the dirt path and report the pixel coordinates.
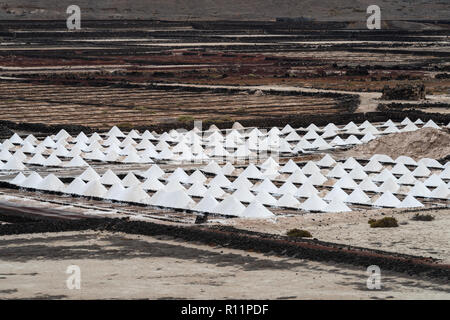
(138, 267)
(369, 100)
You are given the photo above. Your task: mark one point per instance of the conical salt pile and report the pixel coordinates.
(196, 176)
(95, 189)
(373, 166)
(154, 172)
(197, 189)
(178, 175)
(288, 201)
(389, 185)
(173, 186)
(228, 169)
(215, 191)
(132, 157)
(116, 192)
(317, 179)
(37, 159)
(15, 139)
(358, 174)
(252, 172)
(387, 200)
(406, 161)
(384, 175)
(256, 211)
(419, 190)
(32, 181)
(81, 137)
(337, 205)
(175, 199)
(297, 177)
(18, 180)
(346, 182)
(266, 198)
(287, 188)
(270, 163)
(267, 186)
(445, 174)
(350, 163)
(96, 155)
(421, 171)
(293, 136)
(430, 163)
(400, 168)
(241, 182)
(230, 206)
(431, 124)
(337, 172)
(314, 203)
(61, 151)
(289, 167)
(89, 175)
(310, 168)
(207, 204)
(368, 137)
(336, 193)
(28, 147)
(407, 179)
(13, 165)
(152, 184)
(410, 202)
(110, 178)
(287, 128)
(52, 161)
(77, 187)
(441, 192)
(326, 161)
(358, 196)
(382, 158)
(337, 141)
(306, 190)
(220, 180)
(77, 161)
(19, 155)
(433, 181)
(130, 180)
(244, 195)
(115, 132)
(368, 185)
(51, 183)
(135, 194)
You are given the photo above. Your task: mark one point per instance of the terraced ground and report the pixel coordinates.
(100, 76)
(102, 107)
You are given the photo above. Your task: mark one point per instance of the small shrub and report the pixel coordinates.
(422, 217)
(186, 119)
(125, 126)
(386, 222)
(299, 233)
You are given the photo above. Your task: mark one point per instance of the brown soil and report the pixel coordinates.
(423, 143)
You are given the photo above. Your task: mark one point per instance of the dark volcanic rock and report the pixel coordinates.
(404, 92)
(5, 132)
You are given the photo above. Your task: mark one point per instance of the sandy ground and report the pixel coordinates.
(422, 238)
(119, 266)
(423, 143)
